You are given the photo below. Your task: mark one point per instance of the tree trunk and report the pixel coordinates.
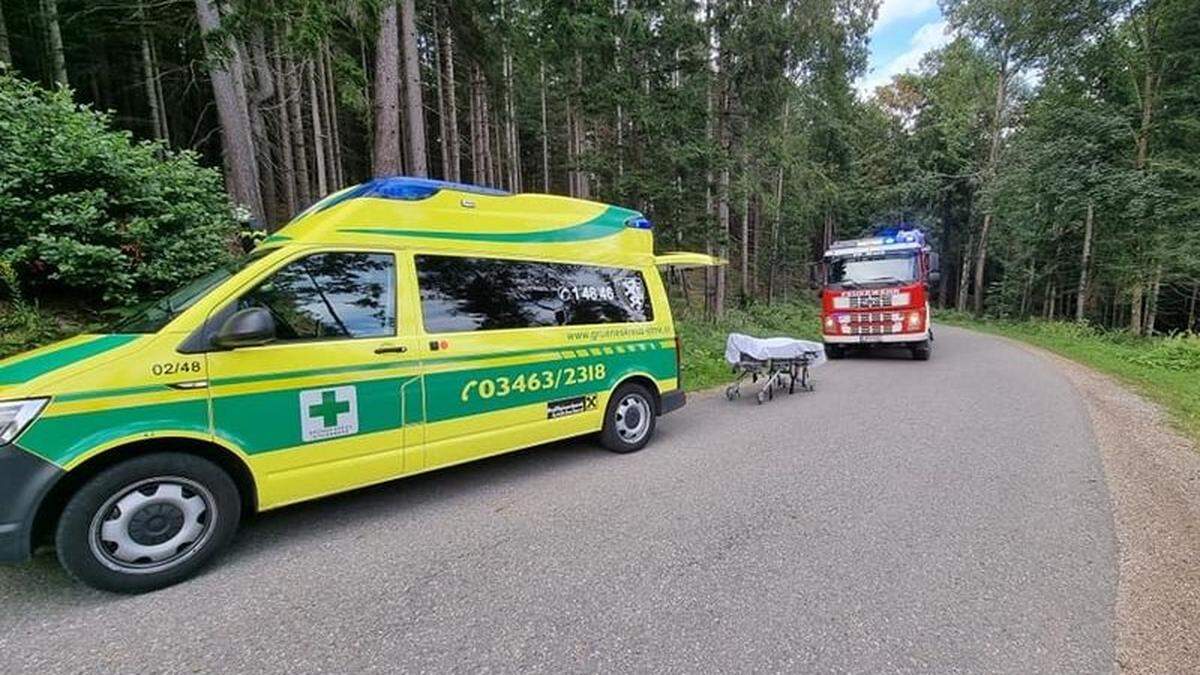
(455, 171)
(777, 222)
(5, 53)
(236, 138)
(443, 130)
(723, 139)
(299, 144)
(58, 63)
(286, 133)
(1084, 260)
(572, 178)
(510, 120)
(414, 110)
(1026, 290)
(386, 155)
(1152, 301)
(620, 108)
(478, 173)
(149, 74)
(318, 130)
(964, 274)
(264, 91)
(993, 159)
(545, 130)
(158, 93)
(745, 252)
(336, 175)
(1135, 308)
(1191, 322)
(585, 188)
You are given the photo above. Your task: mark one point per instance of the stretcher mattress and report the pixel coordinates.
(762, 349)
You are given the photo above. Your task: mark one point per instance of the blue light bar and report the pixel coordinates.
(404, 188)
(638, 223)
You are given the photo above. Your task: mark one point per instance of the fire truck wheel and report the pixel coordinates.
(921, 351)
(835, 351)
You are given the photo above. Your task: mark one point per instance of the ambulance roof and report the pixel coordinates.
(401, 212)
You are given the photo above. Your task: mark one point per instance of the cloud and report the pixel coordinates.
(929, 37)
(891, 11)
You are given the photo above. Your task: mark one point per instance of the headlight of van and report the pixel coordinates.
(16, 415)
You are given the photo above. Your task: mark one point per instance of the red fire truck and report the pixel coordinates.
(876, 293)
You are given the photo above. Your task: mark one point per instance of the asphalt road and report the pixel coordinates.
(942, 516)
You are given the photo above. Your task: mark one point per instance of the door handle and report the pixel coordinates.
(391, 349)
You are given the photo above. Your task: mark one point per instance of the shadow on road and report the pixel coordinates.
(315, 521)
(880, 354)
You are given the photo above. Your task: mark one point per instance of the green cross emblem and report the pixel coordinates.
(328, 409)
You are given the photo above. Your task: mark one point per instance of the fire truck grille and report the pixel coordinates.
(874, 323)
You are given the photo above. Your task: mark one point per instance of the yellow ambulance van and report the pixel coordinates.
(398, 326)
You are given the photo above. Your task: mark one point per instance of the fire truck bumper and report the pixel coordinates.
(888, 338)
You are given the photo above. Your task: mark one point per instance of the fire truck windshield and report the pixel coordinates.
(876, 270)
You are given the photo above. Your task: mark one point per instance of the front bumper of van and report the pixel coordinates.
(24, 481)
(671, 401)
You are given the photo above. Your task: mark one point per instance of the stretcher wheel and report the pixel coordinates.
(732, 392)
(762, 397)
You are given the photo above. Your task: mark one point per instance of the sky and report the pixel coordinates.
(904, 32)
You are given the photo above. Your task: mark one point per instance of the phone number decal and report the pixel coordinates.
(540, 380)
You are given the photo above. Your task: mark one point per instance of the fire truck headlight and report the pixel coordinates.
(841, 302)
(829, 322)
(914, 320)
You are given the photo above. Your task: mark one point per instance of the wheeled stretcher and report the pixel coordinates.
(780, 362)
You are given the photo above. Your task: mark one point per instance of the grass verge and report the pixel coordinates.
(1164, 369)
(704, 339)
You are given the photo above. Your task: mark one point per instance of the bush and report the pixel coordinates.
(1178, 353)
(704, 339)
(87, 212)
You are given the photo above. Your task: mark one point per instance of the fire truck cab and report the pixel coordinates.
(875, 292)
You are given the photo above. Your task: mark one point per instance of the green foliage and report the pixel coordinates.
(87, 212)
(704, 339)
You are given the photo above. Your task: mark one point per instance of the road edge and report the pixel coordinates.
(1153, 477)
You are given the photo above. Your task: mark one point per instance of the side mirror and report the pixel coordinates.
(934, 277)
(246, 328)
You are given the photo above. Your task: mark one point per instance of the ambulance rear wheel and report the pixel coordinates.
(629, 420)
(147, 523)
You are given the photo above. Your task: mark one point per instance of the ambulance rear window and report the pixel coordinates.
(470, 294)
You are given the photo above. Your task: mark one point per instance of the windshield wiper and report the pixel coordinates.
(886, 278)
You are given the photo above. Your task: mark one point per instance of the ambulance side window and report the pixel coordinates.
(460, 294)
(329, 296)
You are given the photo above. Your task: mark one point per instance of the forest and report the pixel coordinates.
(1051, 148)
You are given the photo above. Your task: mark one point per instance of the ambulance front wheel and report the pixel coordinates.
(629, 420)
(148, 522)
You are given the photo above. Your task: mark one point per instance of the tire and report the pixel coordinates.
(629, 420)
(922, 350)
(835, 352)
(148, 522)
